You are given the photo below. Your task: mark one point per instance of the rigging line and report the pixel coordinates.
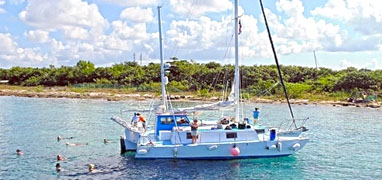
(150, 27)
(151, 108)
(227, 53)
(165, 2)
(193, 10)
(277, 63)
(175, 48)
(173, 113)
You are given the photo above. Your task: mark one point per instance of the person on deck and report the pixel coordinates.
(135, 119)
(142, 120)
(194, 131)
(256, 114)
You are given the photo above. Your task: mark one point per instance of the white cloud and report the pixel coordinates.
(346, 63)
(205, 39)
(7, 45)
(119, 45)
(133, 2)
(76, 33)
(64, 15)
(364, 16)
(294, 33)
(17, 2)
(86, 34)
(335, 9)
(37, 36)
(292, 8)
(298, 33)
(137, 14)
(374, 64)
(123, 31)
(11, 54)
(2, 2)
(199, 8)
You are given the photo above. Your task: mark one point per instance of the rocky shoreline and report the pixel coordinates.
(120, 96)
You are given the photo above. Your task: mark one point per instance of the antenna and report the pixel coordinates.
(134, 57)
(315, 59)
(140, 58)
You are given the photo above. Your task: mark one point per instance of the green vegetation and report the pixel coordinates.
(205, 80)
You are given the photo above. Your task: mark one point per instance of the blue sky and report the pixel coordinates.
(38, 33)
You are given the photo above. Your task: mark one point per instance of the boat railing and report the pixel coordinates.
(144, 140)
(289, 125)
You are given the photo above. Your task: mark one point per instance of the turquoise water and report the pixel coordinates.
(345, 143)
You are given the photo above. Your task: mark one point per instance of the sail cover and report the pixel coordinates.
(220, 105)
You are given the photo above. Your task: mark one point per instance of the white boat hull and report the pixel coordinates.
(257, 149)
(131, 139)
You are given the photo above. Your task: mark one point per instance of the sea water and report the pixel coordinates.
(345, 143)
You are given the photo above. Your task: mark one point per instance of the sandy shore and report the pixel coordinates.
(120, 96)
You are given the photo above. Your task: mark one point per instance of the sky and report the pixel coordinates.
(39, 33)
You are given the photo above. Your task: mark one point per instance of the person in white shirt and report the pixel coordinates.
(135, 119)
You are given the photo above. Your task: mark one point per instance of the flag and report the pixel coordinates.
(239, 26)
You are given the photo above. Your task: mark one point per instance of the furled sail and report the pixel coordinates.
(220, 105)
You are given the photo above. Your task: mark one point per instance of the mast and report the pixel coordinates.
(237, 78)
(161, 61)
(277, 64)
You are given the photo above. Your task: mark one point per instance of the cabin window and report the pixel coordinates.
(167, 120)
(231, 135)
(260, 131)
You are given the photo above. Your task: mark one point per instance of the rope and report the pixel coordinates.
(151, 109)
(172, 111)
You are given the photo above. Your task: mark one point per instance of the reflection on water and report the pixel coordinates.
(344, 143)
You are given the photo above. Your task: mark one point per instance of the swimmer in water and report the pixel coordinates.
(19, 152)
(60, 158)
(59, 138)
(91, 167)
(105, 141)
(75, 144)
(58, 167)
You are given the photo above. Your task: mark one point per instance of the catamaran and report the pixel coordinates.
(227, 138)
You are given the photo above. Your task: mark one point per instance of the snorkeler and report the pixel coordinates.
(91, 167)
(59, 138)
(60, 158)
(75, 144)
(19, 152)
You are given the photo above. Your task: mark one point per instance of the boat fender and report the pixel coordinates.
(296, 146)
(123, 145)
(271, 147)
(235, 151)
(175, 151)
(279, 146)
(213, 147)
(142, 151)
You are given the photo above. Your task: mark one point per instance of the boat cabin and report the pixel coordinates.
(166, 123)
(180, 123)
